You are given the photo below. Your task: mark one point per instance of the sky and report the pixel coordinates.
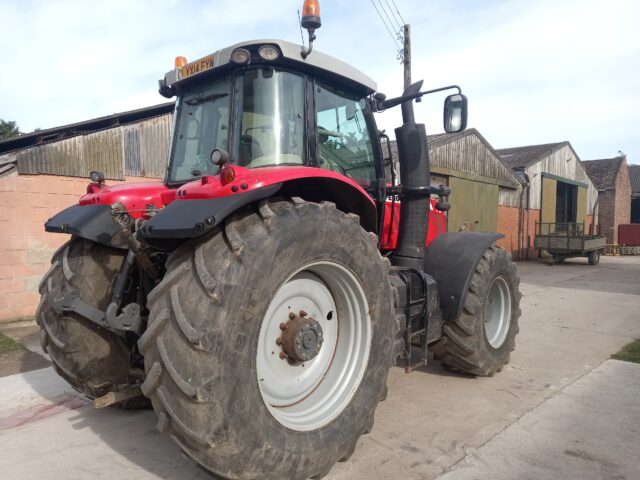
(534, 71)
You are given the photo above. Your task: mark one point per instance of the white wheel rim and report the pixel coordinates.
(497, 312)
(308, 395)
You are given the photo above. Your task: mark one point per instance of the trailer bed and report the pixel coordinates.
(566, 240)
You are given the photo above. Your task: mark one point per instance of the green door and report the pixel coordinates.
(474, 206)
(549, 194)
(581, 208)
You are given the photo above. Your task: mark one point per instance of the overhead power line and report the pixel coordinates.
(387, 15)
(395, 19)
(398, 11)
(395, 41)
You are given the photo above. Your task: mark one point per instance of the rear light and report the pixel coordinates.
(240, 55)
(227, 174)
(180, 62)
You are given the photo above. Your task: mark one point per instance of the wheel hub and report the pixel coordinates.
(301, 338)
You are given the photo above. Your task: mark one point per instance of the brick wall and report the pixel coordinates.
(508, 218)
(623, 197)
(606, 215)
(508, 226)
(614, 206)
(26, 202)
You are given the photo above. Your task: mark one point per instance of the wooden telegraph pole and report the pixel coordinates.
(407, 55)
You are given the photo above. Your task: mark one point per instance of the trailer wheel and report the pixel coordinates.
(481, 339)
(269, 342)
(594, 257)
(90, 358)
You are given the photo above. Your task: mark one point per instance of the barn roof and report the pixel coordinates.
(506, 174)
(519, 157)
(634, 176)
(74, 129)
(603, 171)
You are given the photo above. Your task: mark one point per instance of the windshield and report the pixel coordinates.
(269, 118)
(202, 126)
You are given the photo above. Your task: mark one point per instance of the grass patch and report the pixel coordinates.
(8, 344)
(629, 353)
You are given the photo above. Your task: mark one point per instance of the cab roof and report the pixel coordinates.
(289, 55)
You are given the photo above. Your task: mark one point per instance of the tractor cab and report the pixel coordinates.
(262, 105)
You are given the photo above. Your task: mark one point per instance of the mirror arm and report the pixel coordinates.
(393, 102)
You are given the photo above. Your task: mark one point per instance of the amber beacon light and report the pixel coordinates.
(311, 14)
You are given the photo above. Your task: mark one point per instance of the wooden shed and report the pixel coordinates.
(557, 187)
(485, 192)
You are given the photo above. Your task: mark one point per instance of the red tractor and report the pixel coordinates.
(259, 295)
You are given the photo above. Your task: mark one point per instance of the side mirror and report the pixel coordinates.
(455, 113)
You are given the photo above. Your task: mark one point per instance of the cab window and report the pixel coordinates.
(343, 142)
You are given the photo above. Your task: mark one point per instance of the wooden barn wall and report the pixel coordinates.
(470, 155)
(562, 163)
(139, 149)
(509, 197)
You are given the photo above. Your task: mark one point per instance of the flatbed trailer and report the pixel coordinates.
(568, 240)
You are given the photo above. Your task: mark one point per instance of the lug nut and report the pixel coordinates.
(292, 315)
(283, 326)
(283, 355)
(278, 341)
(303, 313)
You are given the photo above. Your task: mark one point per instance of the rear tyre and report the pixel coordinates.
(481, 339)
(245, 367)
(594, 257)
(91, 359)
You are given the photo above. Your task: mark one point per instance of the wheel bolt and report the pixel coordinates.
(303, 313)
(283, 355)
(292, 315)
(278, 341)
(283, 326)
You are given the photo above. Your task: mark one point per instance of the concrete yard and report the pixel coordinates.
(560, 409)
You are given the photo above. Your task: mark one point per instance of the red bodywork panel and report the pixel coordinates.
(389, 239)
(251, 179)
(136, 197)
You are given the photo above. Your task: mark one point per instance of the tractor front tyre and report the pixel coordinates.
(481, 339)
(270, 341)
(91, 359)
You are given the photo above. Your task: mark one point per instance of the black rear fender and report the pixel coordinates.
(451, 260)
(93, 222)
